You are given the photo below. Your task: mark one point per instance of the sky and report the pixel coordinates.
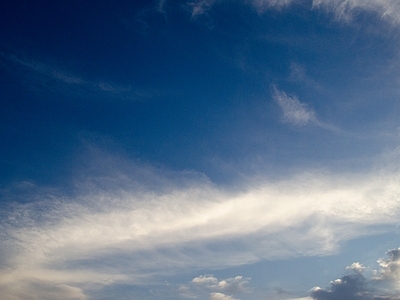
(200, 149)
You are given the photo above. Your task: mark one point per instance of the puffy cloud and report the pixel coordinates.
(231, 285)
(217, 289)
(355, 286)
(221, 296)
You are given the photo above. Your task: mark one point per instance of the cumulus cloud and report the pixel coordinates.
(230, 285)
(221, 296)
(202, 285)
(383, 285)
(119, 228)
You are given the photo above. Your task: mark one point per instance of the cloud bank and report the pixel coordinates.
(117, 229)
(383, 284)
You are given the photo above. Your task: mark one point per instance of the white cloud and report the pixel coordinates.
(217, 288)
(221, 296)
(356, 267)
(121, 231)
(298, 113)
(230, 285)
(200, 7)
(262, 5)
(344, 9)
(294, 111)
(205, 279)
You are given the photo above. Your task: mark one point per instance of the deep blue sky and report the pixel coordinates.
(207, 149)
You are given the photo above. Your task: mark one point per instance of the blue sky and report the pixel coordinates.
(207, 149)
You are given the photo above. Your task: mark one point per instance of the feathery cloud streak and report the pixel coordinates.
(39, 73)
(124, 234)
(294, 111)
(388, 10)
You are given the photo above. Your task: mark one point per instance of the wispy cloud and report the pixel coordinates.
(200, 7)
(298, 113)
(117, 230)
(345, 9)
(262, 5)
(294, 111)
(36, 73)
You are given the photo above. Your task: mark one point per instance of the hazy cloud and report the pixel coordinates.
(345, 9)
(200, 7)
(37, 290)
(37, 74)
(294, 111)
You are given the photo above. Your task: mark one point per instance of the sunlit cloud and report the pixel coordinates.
(203, 285)
(112, 233)
(382, 285)
(221, 296)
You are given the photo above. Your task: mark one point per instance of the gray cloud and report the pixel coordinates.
(356, 286)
